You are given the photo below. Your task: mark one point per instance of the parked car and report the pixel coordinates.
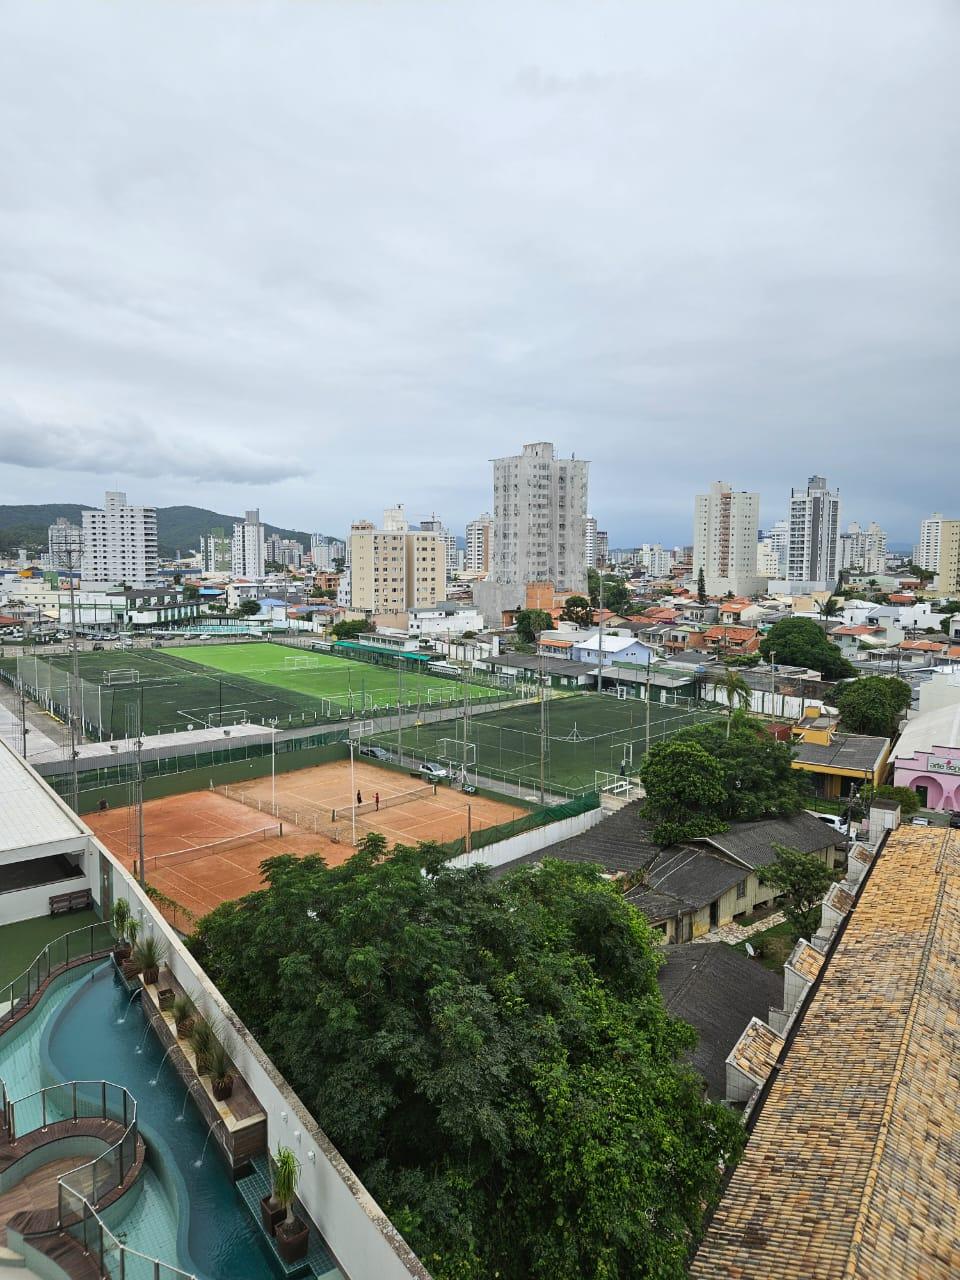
(432, 772)
(919, 821)
(955, 821)
(830, 820)
(375, 753)
(98, 645)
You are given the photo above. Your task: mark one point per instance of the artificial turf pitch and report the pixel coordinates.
(586, 734)
(225, 684)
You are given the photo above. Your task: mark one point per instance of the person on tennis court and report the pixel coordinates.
(376, 801)
(359, 798)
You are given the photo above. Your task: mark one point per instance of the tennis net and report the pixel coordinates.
(176, 857)
(386, 802)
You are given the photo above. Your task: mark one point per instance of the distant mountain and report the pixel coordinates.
(178, 528)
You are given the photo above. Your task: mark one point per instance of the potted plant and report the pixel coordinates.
(149, 955)
(120, 918)
(291, 1234)
(131, 964)
(183, 1015)
(201, 1042)
(221, 1071)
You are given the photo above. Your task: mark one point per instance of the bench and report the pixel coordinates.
(78, 900)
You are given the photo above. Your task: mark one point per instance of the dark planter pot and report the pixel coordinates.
(270, 1217)
(152, 976)
(292, 1241)
(203, 1067)
(130, 969)
(122, 951)
(222, 1089)
(184, 1028)
(166, 998)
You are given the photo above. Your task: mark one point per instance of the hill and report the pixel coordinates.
(178, 528)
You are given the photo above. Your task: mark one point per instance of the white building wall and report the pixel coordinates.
(928, 551)
(249, 547)
(725, 530)
(814, 549)
(120, 544)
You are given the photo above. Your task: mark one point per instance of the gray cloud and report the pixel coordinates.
(348, 253)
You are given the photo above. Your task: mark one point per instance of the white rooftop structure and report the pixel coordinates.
(33, 816)
(939, 728)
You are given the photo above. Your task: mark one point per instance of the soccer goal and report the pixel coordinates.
(619, 691)
(360, 729)
(300, 663)
(457, 751)
(122, 675)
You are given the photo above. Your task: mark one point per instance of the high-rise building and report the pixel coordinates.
(863, 550)
(814, 550)
(120, 544)
(395, 520)
(433, 525)
(948, 566)
(590, 541)
(479, 544)
(778, 539)
(603, 548)
(284, 551)
(216, 552)
(927, 553)
(655, 559)
(326, 552)
(725, 524)
(64, 541)
(248, 552)
(768, 561)
(393, 570)
(540, 506)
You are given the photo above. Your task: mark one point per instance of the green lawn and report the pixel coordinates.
(585, 733)
(772, 946)
(229, 683)
(21, 943)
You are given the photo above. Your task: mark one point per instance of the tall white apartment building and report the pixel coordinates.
(64, 541)
(248, 551)
(768, 561)
(325, 554)
(655, 559)
(814, 550)
(216, 552)
(479, 544)
(927, 553)
(725, 525)
(433, 525)
(590, 541)
(393, 570)
(539, 528)
(120, 544)
(863, 549)
(778, 539)
(285, 551)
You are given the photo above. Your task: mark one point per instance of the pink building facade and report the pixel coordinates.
(933, 774)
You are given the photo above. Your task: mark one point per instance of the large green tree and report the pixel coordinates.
(873, 704)
(735, 692)
(799, 642)
(350, 628)
(491, 1056)
(803, 879)
(530, 622)
(754, 771)
(577, 609)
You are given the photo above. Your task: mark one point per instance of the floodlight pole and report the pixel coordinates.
(543, 733)
(399, 712)
(273, 767)
(773, 683)
(600, 640)
(75, 675)
(647, 708)
(353, 798)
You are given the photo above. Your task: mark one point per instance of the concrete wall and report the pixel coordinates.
(359, 1233)
(495, 855)
(27, 904)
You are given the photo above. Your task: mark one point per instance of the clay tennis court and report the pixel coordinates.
(242, 837)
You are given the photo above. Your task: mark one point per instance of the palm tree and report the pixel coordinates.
(735, 689)
(829, 608)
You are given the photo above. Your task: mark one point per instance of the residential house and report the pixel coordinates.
(837, 762)
(738, 613)
(926, 758)
(726, 640)
(615, 648)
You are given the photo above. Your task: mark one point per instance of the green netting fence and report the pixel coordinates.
(518, 826)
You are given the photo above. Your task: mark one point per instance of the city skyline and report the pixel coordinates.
(354, 302)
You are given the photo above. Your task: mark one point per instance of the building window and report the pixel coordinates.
(741, 888)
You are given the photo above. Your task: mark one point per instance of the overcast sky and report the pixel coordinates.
(322, 257)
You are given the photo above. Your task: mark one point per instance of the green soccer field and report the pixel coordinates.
(346, 683)
(586, 734)
(224, 684)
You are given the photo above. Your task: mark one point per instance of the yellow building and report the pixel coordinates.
(837, 761)
(395, 569)
(948, 568)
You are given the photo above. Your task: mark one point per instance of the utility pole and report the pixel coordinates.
(773, 683)
(543, 732)
(600, 640)
(399, 710)
(71, 551)
(141, 860)
(23, 718)
(647, 708)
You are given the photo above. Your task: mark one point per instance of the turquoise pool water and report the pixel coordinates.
(213, 1234)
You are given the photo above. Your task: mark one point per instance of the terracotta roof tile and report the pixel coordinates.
(851, 1168)
(756, 1051)
(806, 960)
